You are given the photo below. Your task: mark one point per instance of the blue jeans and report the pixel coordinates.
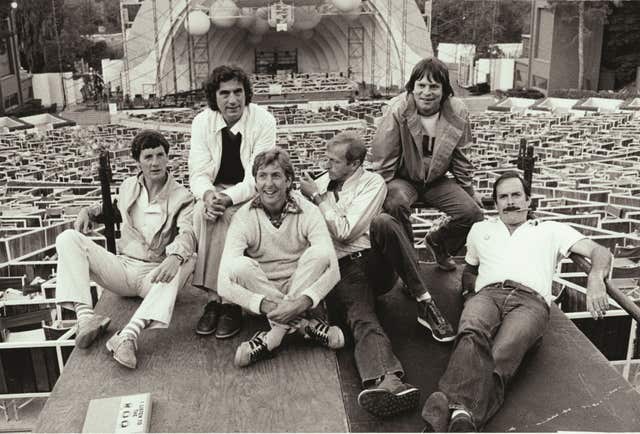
(444, 194)
(497, 327)
(362, 281)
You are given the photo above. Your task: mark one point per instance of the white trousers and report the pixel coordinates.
(80, 261)
(211, 237)
(247, 273)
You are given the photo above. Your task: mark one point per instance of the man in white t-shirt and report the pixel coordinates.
(509, 271)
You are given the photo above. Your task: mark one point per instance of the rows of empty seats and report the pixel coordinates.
(264, 84)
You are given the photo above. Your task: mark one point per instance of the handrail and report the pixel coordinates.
(623, 300)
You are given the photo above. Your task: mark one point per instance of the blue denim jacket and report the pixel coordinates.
(396, 147)
(176, 234)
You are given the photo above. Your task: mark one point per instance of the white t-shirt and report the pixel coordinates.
(528, 256)
(429, 125)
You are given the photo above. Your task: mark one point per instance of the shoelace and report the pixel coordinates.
(441, 323)
(258, 348)
(319, 333)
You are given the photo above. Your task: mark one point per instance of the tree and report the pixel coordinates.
(479, 22)
(36, 24)
(54, 34)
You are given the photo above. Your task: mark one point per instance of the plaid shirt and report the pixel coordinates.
(290, 207)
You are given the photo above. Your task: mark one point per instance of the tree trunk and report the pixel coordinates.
(580, 45)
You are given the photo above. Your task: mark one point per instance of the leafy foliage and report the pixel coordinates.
(479, 22)
(51, 42)
(620, 43)
(521, 92)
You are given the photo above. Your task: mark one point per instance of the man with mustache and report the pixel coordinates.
(225, 138)
(424, 134)
(509, 269)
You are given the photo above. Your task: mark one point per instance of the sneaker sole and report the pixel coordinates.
(338, 342)
(239, 363)
(433, 253)
(383, 403)
(122, 362)
(89, 339)
(238, 360)
(426, 324)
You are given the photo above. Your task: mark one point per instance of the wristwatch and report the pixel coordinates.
(180, 258)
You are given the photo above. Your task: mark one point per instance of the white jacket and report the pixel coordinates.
(258, 129)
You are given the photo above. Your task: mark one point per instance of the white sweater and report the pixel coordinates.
(277, 250)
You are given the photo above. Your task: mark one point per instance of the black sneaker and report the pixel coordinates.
(389, 396)
(436, 412)
(253, 350)
(208, 322)
(440, 255)
(230, 321)
(328, 336)
(462, 422)
(430, 316)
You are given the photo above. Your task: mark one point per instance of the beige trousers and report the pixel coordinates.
(80, 261)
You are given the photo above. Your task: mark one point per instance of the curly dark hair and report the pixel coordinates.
(433, 69)
(148, 139)
(226, 73)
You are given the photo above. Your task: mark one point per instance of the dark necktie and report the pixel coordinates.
(335, 187)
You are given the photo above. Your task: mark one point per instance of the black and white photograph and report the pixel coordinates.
(319, 216)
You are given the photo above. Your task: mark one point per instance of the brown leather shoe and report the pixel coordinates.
(230, 321)
(208, 322)
(89, 330)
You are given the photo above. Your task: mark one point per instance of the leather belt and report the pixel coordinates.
(512, 284)
(353, 257)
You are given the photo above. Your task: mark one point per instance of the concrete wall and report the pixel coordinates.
(111, 73)
(541, 45)
(564, 60)
(555, 49)
(521, 69)
(9, 84)
(48, 87)
(455, 53)
(500, 72)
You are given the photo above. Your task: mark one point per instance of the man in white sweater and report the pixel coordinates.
(279, 261)
(225, 138)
